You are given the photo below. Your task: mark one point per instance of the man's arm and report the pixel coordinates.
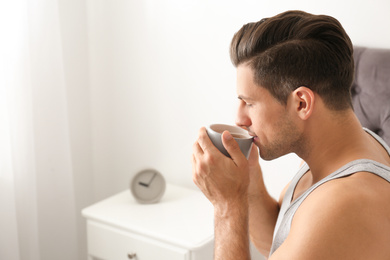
(224, 181)
(263, 209)
(231, 232)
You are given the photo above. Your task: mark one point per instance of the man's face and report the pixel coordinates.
(270, 122)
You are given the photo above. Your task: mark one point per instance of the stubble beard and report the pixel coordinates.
(287, 140)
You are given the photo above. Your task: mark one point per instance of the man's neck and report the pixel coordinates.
(337, 141)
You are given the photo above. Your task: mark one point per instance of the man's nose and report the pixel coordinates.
(242, 118)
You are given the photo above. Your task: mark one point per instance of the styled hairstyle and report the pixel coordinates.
(294, 49)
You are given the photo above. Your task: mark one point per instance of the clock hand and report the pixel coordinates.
(147, 184)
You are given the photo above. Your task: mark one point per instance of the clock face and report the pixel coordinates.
(148, 186)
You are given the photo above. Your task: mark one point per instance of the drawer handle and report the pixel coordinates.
(131, 255)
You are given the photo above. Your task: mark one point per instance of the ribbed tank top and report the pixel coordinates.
(288, 208)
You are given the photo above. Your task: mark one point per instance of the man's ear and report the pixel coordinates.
(303, 102)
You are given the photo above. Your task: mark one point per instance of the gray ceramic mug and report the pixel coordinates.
(242, 137)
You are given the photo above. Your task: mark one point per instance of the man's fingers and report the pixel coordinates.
(194, 170)
(196, 149)
(205, 142)
(232, 147)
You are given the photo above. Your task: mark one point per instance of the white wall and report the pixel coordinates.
(159, 70)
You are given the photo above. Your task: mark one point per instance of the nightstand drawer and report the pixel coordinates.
(108, 243)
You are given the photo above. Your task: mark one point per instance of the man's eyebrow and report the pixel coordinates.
(240, 97)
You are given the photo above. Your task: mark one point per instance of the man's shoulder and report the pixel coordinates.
(356, 192)
(345, 213)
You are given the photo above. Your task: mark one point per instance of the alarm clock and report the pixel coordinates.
(148, 186)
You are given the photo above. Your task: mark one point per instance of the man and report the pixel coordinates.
(294, 73)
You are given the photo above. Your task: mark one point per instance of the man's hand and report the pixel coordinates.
(222, 179)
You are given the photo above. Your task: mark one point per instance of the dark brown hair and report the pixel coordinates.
(296, 49)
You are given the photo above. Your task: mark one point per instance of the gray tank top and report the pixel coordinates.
(288, 209)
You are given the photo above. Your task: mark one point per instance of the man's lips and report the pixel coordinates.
(252, 134)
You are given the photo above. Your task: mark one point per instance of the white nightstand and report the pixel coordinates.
(180, 226)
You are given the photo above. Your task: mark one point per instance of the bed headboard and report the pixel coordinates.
(371, 89)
